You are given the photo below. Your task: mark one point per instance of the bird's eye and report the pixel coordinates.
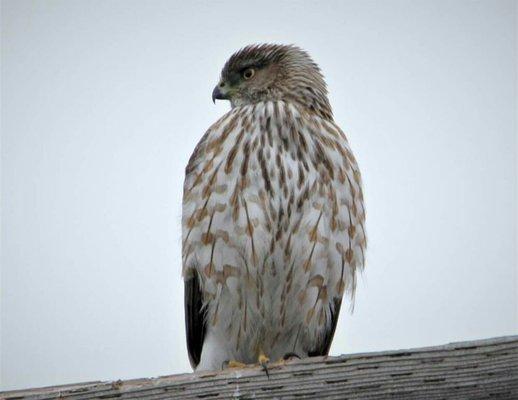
(248, 73)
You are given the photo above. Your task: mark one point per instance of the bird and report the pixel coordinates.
(272, 216)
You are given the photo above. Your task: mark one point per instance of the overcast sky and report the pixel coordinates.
(104, 101)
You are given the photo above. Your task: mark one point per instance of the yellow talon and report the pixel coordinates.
(263, 360)
(236, 364)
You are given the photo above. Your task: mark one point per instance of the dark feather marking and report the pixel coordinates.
(246, 152)
(200, 212)
(264, 171)
(233, 152)
(250, 231)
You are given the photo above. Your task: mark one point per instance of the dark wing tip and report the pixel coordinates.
(323, 346)
(195, 315)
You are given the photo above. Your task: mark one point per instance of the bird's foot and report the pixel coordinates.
(286, 359)
(234, 364)
(290, 356)
(263, 361)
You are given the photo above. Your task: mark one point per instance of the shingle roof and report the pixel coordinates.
(482, 369)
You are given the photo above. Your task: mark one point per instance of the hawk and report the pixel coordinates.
(273, 216)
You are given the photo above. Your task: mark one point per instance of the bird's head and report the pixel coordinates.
(273, 72)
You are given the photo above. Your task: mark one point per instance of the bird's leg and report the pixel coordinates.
(233, 364)
(287, 358)
(263, 361)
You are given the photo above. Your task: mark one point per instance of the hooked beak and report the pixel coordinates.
(219, 94)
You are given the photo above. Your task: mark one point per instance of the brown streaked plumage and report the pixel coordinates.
(273, 216)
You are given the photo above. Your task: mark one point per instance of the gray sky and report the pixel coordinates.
(103, 102)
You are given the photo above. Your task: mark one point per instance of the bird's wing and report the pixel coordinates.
(324, 343)
(195, 312)
(349, 215)
(194, 301)
(195, 325)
